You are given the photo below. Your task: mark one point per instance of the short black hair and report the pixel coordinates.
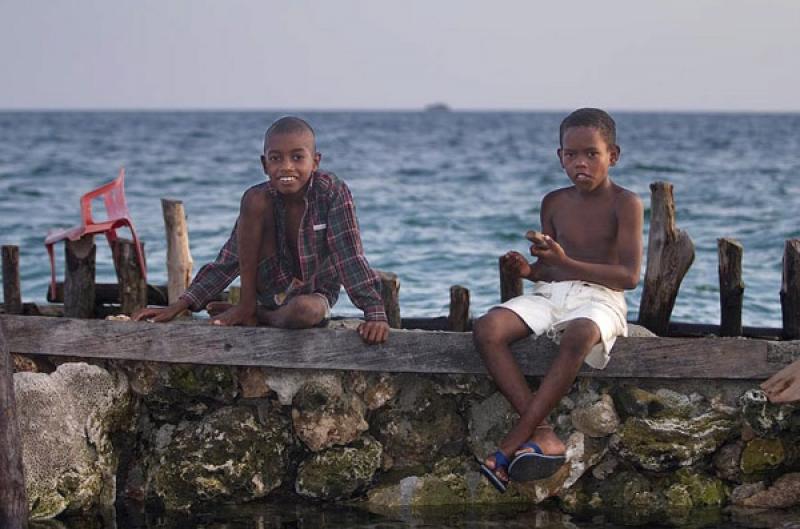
(590, 117)
(289, 125)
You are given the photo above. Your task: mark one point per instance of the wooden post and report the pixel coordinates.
(12, 298)
(13, 499)
(132, 285)
(510, 287)
(179, 260)
(670, 253)
(731, 287)
(790, 290)
(79, 279)
(390, 285)
(234, 295)
(458, 319)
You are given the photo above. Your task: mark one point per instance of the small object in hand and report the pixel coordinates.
(118, 317)
(536, 237)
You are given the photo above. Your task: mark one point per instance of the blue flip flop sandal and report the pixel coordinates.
(500, 462)
(532, 466)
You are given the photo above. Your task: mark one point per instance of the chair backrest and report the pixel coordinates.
(113, 194)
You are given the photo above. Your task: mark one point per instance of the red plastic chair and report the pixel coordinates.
(113, 194)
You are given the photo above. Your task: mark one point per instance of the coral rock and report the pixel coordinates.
(339, 473)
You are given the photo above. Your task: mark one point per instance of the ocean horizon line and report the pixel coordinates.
(396, 110)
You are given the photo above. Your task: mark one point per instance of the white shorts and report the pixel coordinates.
(552, 306)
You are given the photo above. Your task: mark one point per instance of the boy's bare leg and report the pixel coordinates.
(493, 334)
(577, 341)
(255, 242)
(300, 312)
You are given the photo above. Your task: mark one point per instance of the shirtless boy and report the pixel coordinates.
(295, 244)
(589, 252)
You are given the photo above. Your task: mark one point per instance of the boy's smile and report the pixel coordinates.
(289, 160)
(586, 157)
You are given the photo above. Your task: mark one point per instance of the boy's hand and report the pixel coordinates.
(160, 314)
(236, 315)
(550, 253)
(374, 332)
(514, 263)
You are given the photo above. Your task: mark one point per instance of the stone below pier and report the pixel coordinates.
(639, 450)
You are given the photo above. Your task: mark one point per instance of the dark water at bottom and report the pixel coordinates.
(293, 514)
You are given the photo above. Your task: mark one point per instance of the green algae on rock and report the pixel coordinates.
(339, 473)
(324, 413)
(227, 456)
(419, 425)
(663, 444)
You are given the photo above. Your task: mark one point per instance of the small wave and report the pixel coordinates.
(657, 168)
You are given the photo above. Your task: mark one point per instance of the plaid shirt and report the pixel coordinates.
(329, 248)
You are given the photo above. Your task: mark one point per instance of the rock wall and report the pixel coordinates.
(179, 436)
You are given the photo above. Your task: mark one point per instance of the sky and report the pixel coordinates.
(678, 55)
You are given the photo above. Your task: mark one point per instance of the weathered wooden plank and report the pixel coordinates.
(179, 258)
(13, 499)
(458, 318)
(405, 351)
(79, 279)
(132, 284)
(109, 293)
(670, 253)
(390, 284)
(510, 286)
(731, 286)
(12, 297)
(790, 290)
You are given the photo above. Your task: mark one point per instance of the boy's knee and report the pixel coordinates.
(485, 332)
(307, 311)
(579, 338)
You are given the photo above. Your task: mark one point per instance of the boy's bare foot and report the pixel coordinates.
(501, 471)
(233, 315)
(784, 386)
(216, 308)
(548, 441)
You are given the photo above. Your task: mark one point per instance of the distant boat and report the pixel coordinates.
(437, 107)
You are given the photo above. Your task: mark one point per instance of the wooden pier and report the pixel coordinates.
(405, 351)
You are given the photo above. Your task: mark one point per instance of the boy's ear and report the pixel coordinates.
(560, 161)
(264, 164)
(317, 159)
(616, 152)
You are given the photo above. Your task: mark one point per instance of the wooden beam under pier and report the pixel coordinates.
(405, 351)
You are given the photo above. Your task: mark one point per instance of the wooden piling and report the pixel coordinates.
(670, 253)
(132, 284)
(179, 259)
(731, 286)
(12, 297)
(510, 287)
(458, 319)
(13, 499)
(390, 285)
(790, 290)
(79, 279)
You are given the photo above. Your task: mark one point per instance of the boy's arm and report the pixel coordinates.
(215, 276)
(250, 227)
(557, 266)
(209, 281)
(362, 284)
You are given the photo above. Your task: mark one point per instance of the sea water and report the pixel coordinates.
(440, 196)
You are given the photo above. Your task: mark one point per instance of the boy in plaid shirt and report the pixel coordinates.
(295, 244)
